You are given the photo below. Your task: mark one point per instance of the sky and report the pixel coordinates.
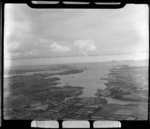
(74, 35)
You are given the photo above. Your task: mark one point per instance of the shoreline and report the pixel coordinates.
(118, 92)
(67, 101)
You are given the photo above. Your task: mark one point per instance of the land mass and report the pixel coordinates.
(37, 96)
(126, 83)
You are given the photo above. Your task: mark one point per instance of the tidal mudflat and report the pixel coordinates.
(106, 91)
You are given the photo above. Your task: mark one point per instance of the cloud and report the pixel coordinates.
(45, 30)
(15, 49)
(12, 46)
(11, 49)
(55, 47)
(31, 52)
(43, 40)
(86, 45)
(16, 54)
